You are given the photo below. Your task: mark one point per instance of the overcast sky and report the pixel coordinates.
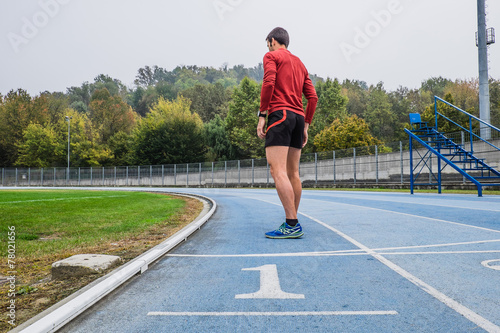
(54, 44)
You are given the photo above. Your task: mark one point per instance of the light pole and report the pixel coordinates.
(68, 119)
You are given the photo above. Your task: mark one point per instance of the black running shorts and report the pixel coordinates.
(285, 128)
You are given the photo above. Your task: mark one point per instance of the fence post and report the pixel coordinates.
(114, 176)
(150, 175)
(253, 172)
(91, 176)
(102, 176)
(463, 146)
(126, 175)
(16, 178)
(175, 174)
(200, 172)
(29, 176)
(401, 159)
(79, 176)
(187, 174)
(354, 163)
(225, 173)
(162, 175)
(267, 173)
(54, 177)
(334, 171)
(376, 164)
(212, 174)
(3, 176)
(41, 176)
(138, 175)
(316, 168)
(239, 175)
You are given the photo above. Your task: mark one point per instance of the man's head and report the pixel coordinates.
(277, 38)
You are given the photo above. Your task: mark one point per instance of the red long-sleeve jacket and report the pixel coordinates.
(285, 80)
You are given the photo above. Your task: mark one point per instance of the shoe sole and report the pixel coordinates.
(287, 236)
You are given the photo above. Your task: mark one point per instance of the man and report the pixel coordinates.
(285, 80)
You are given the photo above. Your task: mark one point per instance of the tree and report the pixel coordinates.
(110, 114)
(208, 100)
(169, 134)
(436, 86)
(449, 112)
(86, 145)
(495, 102)
(350, 133)
(241, 121)
(357, 94)
(16, 113)
(40, 148)
(121, 146)
(331, 105)
(217, 140)
(379, 115)
(465, 94)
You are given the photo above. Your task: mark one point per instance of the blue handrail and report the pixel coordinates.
(440, 157)
(471, 117)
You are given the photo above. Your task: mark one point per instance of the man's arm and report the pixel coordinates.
(267, 90)
(312, 98)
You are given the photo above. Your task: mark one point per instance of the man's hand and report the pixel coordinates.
(306, 128)
(260, 128)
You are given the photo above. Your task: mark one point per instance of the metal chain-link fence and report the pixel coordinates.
(371, 166)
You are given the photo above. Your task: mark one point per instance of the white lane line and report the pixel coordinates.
(436, 245)
(367, 198)
(298, 313)
(321, 254)
(448, 301)
(350, 252)
(57, 199)
(451, 303)
(399, 213)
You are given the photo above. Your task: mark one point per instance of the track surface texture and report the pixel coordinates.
(368, 262)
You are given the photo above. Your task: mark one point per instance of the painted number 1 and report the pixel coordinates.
(269, 285)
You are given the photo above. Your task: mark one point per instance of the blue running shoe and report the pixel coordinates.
(286, 231)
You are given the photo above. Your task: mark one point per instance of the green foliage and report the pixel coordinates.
(449, 112)
(379, 114)
(106, 116)
(350, 133)
(25, 290)
(111, 115)
(435, 85)
(217, 140)
(121, 146)
(17, 111)
(170, 133)
(40, 147)
(208, 100)
(86, 148)
(331, 105)
(241, 121)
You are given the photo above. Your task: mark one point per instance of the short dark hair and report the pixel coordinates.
(280, 35)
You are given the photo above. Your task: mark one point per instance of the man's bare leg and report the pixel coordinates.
(278, 159)
(292, 165)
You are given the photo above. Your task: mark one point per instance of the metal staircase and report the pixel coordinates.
(449, 153)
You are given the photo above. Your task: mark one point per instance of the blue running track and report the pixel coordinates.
(368, 262)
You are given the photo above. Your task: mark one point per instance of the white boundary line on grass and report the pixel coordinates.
(63, 312)
(58, 199)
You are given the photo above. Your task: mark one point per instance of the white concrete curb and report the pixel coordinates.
(63, 312)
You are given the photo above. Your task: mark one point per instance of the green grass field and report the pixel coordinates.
(51, 225)
(50, 221)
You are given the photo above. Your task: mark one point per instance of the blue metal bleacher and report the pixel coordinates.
(448, 152)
